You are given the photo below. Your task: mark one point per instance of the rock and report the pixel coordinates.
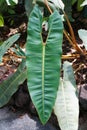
(21, 97)
(16, 121)
(3, 70)
(83, 97)
(32, 109)
(83, 126)
(83, 121)
(83, 107)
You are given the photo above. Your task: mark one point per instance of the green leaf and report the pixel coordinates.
(68, 9)
(79, 3)
(28, 6)
(7, 44)
(83, 36)
(67, 105)
(1, 21)
(9, 87)
(68, 73)
(74, 1)
(43, 61)
(18, 50)
(54, 4)
(3, 6)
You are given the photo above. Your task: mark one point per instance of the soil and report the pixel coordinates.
(10, 64)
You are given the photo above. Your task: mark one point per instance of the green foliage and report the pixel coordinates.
(79, 2)
(7, 44)
(69, 73)
(44, 61)
(18, 50)
(79, 7)
(28, 6)
(68, 8)
(3, 6)
(67, 107)
(1, 21)
(9, 87)
(54, 4)
(74, 1)
(6, 7)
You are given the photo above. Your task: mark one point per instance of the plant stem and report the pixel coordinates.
(68, 38)
(46, 3)
(71, 56)
(72, 40)
(73, 36)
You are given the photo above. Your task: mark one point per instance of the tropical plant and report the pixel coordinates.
(42, 66)
(78, 4)
(1, 21)
(12, 82)
(66, 106)
(7, 44)
(45, 56)
(6, 6)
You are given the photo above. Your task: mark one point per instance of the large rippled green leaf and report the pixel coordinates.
(9, 87)
(43, 61)
(67, 106)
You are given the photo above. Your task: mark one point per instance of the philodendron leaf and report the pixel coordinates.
(7, 44)
(66, 106)
(43, 61)
(10, 86)
(69, 73)
(83, 36)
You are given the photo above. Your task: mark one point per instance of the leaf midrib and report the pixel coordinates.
(43, 66)
(64, 98)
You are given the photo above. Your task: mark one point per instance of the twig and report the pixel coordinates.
(13, 54)
(72, 40)
(72, 56)
(73, 36)
(68, 38)
(46, 3)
